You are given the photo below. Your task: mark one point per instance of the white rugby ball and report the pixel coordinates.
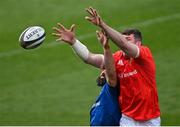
(32, 37)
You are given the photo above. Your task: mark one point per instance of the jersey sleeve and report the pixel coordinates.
(145, 63)
(144, 52)
(112, 90)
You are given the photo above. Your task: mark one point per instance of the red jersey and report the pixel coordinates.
(138, 93)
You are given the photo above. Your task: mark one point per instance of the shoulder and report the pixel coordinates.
(145, 58)
(144, 47)
(110, 89)
(117, 54)
(144, 52)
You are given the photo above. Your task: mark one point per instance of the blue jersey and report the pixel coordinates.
(106, 111)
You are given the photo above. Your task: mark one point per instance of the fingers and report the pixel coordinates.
(92, 20)
(63, 29)
(103, 72)
(59, 39)
(57, 29)
(103, 32)
(61, 26)
(63, 34)
(88, 18)
(98, 35)
(90, 12)
(57, 35)
(93, 11)
(126, 37)
(102, 37)
(72, 28)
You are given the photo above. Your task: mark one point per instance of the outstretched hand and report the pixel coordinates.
(64, 34)
(94, 16)
(102, 37)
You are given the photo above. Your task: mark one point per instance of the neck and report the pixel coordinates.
(126, 56)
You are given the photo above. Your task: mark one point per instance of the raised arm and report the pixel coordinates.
(68, 36)
(120, 40)
(111, 76)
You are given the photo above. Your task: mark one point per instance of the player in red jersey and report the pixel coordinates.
(135, 68)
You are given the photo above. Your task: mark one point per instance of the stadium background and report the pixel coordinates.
(51, 86)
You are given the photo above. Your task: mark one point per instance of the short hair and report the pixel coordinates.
(136, 32)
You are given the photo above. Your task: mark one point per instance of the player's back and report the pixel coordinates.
(105, 111)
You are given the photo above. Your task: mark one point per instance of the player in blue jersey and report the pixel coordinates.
(106, 110)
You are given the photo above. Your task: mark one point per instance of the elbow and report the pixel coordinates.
(86, 61)
(112, 82)
(124, 46)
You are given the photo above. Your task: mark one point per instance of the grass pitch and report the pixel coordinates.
(51, 86)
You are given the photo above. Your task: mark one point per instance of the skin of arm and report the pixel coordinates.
(97, 60)
(120, 40)
(129, 48)
(68, 36)
(111, 76)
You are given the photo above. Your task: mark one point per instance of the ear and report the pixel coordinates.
(138, 43)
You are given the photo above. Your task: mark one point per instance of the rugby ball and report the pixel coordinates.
(32, 37)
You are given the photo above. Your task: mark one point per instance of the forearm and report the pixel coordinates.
(114, 35)
(110, 67)
(82, 51)
(96, 60)
(129, 48)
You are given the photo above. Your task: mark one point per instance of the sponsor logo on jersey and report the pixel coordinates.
(128, 74)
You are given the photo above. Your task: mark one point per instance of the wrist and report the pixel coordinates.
(101, 24)
(106, 47)
(73, 41)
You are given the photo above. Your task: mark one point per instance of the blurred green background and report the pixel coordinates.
(50, 85)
